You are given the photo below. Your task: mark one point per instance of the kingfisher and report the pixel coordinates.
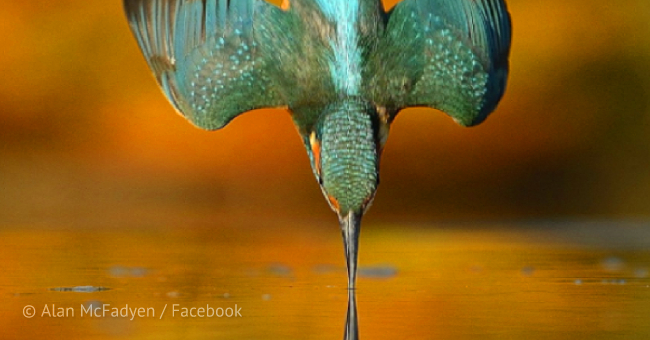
(343, 69)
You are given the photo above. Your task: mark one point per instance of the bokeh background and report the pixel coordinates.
(87, 138)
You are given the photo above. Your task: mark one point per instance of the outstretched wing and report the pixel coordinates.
(206, 57)
(450, 55)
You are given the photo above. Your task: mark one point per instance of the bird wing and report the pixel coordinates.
(450, 55)
(206, 55)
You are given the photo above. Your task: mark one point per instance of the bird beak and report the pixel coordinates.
(350, 228)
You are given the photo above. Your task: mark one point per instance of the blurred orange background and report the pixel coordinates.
(87, 137)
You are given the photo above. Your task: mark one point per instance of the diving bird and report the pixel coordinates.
(343, 69)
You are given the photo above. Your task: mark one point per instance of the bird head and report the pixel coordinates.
(344, 145)
(344, 142)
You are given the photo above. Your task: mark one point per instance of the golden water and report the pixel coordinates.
(493, 281)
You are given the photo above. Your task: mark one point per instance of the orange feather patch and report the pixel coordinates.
(285, 5)
(334, 203)
(315, 150)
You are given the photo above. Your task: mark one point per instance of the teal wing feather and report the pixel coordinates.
(451, 55)
(206, 55)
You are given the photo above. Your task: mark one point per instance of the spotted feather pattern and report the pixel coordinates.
(450, 55)
(206, 56)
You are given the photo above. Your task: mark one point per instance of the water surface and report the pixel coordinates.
(556, 280)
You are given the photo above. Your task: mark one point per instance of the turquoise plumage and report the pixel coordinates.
(343, 68)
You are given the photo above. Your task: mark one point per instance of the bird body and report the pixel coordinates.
(342, 68)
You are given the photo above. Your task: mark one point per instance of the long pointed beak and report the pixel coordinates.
(350, 228)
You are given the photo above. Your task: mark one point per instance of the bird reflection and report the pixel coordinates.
(351, 323)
